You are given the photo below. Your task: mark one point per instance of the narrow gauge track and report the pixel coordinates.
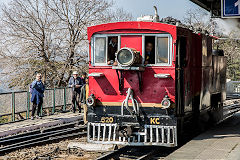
(139, 153)
(229, 110)
(232, 97)
(40, 136)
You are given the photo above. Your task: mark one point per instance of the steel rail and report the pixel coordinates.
(229, 110)
(148, 155)
(41, 135)
(139, 153)
(52, 135)
(14, 140)
(114, 154)
(40, 130)
(45, 141)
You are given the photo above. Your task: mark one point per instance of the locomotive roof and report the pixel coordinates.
(133, 25)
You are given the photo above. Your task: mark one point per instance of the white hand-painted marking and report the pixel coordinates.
(238, 4)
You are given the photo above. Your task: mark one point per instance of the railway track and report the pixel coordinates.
(41, 136)
(74, 129)
(230, 109)
(234, 96)
(139, 153)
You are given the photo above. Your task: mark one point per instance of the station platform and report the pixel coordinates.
(47, 121)
(221, 142)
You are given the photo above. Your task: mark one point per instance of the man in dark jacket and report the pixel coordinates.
(37, 88)
(83, 98)
(112, 49)
(75, 83)
(83, 77)
(149, 54)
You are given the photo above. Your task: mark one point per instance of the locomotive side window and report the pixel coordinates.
(100, 50)
(157, 50)
(104, 50)
(162, 50)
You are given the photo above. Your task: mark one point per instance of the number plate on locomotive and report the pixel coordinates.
(106, 119)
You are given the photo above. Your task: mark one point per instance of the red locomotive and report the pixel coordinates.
(147, 80)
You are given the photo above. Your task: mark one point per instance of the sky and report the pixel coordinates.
(174, 8)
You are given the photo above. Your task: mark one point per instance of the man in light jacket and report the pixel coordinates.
(75, 82)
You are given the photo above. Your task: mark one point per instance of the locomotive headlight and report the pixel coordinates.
(166, 102)
(91, 100)
(127, 56)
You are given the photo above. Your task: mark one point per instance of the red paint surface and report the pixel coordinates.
(150, 26)
(132, 41)
(132, 27)
(106, 88)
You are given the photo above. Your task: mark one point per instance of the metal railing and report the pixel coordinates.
(17, 106)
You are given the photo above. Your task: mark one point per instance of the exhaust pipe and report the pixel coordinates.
(156, 16)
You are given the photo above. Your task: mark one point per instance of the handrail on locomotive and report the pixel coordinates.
(135, 111)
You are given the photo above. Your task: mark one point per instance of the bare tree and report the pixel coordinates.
(75, 16)
(199, 19)
(49, 36)
(29, 39)
(119, 15)
(231, 47)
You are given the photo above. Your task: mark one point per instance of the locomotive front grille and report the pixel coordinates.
(152, 135)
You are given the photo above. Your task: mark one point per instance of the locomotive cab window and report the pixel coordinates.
(162, 50)
(104, 50)
(100, 50)
(112, 49)
(149, 50)
(157, 50)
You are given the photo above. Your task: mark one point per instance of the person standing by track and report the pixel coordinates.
(84, 77)
(75, 82)
(84, 95)
(37, 89)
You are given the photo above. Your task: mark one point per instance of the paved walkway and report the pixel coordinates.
(27, 125)
(219, 143)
